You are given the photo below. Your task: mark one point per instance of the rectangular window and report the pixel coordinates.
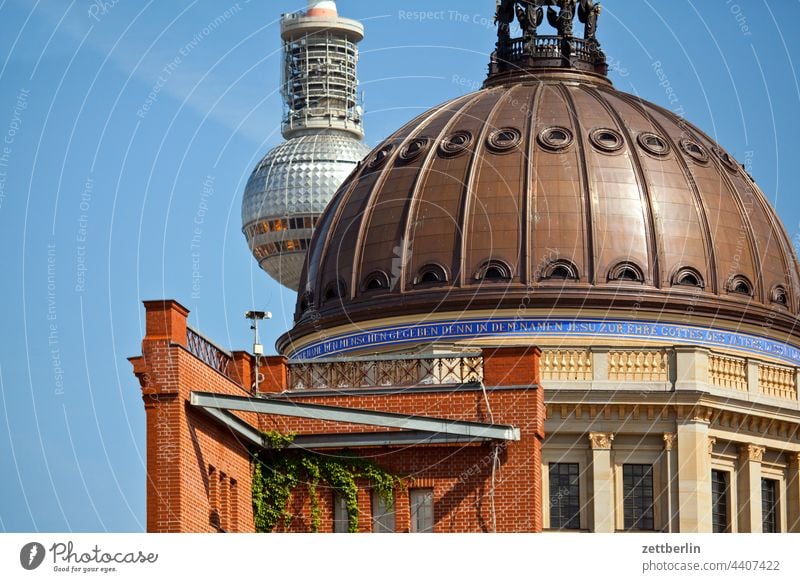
(382, 514)
(421, 502)
(565, 503)
(213, 498)
(637, 489)
(234, 505)
(340, 515)
(769, 506)
(224, 502)
(720, 487)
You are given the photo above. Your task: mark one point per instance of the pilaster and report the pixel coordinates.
(600, 364)
(749, 488)
(793, 493)
(670, 444)
(691, 367)
(694, 476)
(602, 483)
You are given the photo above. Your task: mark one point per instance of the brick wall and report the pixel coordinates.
(198, 473)
(189, 456)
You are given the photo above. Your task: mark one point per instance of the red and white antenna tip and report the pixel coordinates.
(322, 8)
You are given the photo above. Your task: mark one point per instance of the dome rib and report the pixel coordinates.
(369, 209)
(775, 238)
(653, 268)
(441, 196)
(312, 274)
(790, 258)
(469, 186)
(399, 141)
(498, 189)
(529, 192)
(760, 294)
(702, 213)
(419, 181)
(587, 189)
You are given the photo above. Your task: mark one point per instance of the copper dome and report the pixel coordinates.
(554, 190)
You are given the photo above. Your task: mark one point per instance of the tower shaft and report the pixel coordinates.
(320, 82)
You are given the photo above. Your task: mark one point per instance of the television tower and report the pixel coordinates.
(323, 128)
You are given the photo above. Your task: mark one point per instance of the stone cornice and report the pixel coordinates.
(756, 423)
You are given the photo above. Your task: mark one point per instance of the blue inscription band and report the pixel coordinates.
(534, 328)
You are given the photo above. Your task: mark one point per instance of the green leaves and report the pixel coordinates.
(279, 470)
(272, 488)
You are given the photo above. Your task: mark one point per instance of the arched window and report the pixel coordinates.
(376, 281)
(688, 277)
(626, 272)
(740, 285)
(780, 296)
(560, 270)
(431, 275)
(494, 270)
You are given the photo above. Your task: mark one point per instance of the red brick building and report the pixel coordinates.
(461, 434)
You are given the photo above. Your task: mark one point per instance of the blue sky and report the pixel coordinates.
(115, 114)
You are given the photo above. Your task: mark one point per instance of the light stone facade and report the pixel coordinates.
(684, 411)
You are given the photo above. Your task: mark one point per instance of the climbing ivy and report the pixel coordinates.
(278, 471)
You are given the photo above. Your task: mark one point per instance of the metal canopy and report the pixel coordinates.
(414, 429)
(378, 439)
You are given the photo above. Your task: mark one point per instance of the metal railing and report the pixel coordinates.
(385, 372)
(552, 47)
(208, 352)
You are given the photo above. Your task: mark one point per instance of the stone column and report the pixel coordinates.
(748, 487)
(602, 483)
(793, 494)
(694, 476)
(670, 479)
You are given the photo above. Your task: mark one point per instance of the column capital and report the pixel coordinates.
(669, 440)
(600, 440)
(711, 443)
(751, 453)
(794, 458)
